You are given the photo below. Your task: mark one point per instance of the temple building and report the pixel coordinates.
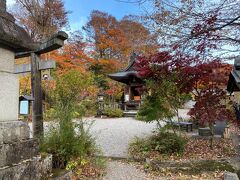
(132, 94)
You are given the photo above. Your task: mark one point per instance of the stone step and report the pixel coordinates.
(13, 153)
(130, 113)
(36, 168)
(230, 176)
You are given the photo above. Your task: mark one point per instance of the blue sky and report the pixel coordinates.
(81, 9)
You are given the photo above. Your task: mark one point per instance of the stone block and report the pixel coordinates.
(219, 127)
(204, 131)
(11, 131)
(18, 151)
(9, 96)
(35, 169)
(230, 176)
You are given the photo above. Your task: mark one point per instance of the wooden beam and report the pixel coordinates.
(42, 65)
(50, 44)
(48, 64)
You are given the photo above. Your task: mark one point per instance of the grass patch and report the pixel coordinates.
(190, 168)
(210, 165)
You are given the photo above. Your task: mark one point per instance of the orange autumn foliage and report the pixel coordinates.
(117, 40)
(70, 57)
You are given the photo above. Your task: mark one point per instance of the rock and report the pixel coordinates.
(36, 168)
(15, 152)
(66, 176)
(230, 176)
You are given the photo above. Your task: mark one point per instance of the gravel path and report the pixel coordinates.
(117, 170)
(114, 135)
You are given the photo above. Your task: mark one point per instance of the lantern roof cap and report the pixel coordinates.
(12, 35)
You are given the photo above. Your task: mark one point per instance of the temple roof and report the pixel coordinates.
(125, 77)
(12, 35)
(128, 74)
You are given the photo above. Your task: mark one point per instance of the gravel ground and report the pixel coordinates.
(117, 170)
(114, 135)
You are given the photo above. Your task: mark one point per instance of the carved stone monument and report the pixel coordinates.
(19, 155)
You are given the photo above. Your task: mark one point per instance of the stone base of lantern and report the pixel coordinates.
(35, 168)
(19, 154)
(12, 131)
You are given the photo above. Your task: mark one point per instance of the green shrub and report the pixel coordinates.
(66, 145)
(89, 107)
(164, 142)
(168, 143)
(110, 112)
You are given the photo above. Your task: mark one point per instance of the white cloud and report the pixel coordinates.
(78, 25)
(10, 3)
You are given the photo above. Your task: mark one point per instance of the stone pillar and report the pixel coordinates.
(9, 89)
(10, 128)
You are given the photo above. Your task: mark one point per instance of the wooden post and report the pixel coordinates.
(37, 113)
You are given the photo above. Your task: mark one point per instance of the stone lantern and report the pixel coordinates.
(19, 155)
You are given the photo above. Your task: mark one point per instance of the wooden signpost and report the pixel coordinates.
(36, 66)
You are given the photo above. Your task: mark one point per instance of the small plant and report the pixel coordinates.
(110, 112)
(147, 166)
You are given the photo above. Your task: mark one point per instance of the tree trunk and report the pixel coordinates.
(179, 127)
(212, 135)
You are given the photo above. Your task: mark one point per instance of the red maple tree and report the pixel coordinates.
(206, 80)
